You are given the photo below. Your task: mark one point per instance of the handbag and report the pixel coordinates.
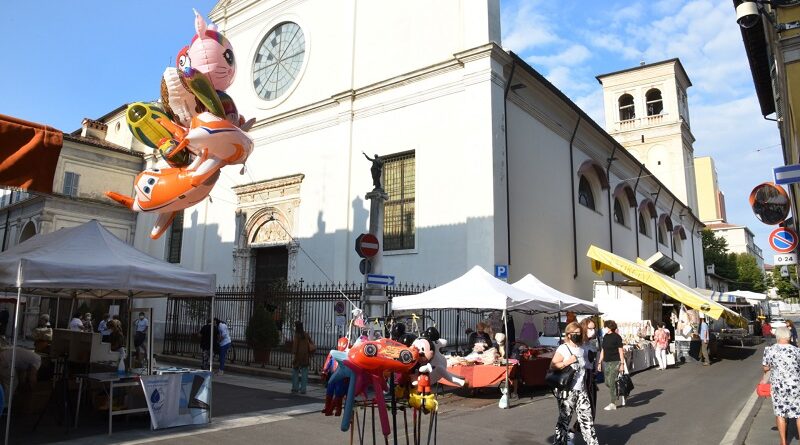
(764, 389)
(561, 379)
(624, 385)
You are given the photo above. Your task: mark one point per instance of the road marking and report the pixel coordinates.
(742, 422)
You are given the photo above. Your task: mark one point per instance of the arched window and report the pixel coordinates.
(662, 234)
(585, 194)
(677, 246)
(653, 102)
(28, 231)
(643, 223)
(619, 212)
(626, 109)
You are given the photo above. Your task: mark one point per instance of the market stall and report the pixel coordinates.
(639, 303)
(478, 290)
(88, 261)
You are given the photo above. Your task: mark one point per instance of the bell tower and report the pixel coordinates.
(647, 111)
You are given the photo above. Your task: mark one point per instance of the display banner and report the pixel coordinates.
(178, 399)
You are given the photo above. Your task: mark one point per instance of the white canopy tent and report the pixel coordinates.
(89, 261)
(536, 287)
(476, 289)
(748, 295)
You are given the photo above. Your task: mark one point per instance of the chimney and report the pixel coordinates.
(93, 129)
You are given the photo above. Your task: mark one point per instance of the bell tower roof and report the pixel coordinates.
(675, 61)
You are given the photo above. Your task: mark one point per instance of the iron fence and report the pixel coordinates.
(314, 305)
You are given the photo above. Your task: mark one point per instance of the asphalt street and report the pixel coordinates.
(690, 404)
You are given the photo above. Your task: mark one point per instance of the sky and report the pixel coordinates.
(70, 60)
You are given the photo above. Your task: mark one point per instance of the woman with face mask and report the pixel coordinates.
(589, 329)
(576, 399)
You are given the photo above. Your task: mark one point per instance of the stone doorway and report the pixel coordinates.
(271, 267)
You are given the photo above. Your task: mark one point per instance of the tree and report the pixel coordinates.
(749, 274)
(783, 285)
(715, 251)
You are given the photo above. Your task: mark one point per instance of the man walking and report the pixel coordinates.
(704, 340)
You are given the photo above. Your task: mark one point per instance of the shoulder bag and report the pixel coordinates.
(561, 379)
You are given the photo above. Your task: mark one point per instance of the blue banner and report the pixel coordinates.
(178, 399)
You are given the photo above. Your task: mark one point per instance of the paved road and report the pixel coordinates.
(691, 404)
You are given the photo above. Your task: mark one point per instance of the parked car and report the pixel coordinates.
(777, 322)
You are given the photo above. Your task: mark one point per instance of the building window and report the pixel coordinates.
(619, 213)
(175, 239)
(585, 195)
(399, 226)
(654, 103)
(676, 244)
(626, 109)
(662, 234)
(71, 183)
(643, 223)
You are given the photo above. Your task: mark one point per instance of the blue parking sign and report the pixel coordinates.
(501, 271)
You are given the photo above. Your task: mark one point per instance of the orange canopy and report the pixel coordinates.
(28, 154)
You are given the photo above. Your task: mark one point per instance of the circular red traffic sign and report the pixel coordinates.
(783, 240)
(367, 245)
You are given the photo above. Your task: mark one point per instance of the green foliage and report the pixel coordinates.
(783, 285)
(715, 251)
(749, 274)
(262, 332)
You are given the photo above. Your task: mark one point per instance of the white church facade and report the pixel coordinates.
(486, 162)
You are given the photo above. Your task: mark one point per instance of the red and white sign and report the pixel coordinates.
(367, 245)
(783, 240)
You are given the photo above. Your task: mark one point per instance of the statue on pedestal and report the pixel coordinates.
(376, 170)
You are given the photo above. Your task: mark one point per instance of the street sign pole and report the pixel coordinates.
(374, 295)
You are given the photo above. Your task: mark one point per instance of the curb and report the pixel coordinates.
(238, 369)
(740, 428)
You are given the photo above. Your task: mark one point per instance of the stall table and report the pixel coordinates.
(113, 380)
(481, 376)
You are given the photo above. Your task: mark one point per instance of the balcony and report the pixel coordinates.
(641, 122)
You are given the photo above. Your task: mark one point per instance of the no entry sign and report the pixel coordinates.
(367, 245)
(783, 240)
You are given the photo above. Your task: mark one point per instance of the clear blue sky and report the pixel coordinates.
(69, 60)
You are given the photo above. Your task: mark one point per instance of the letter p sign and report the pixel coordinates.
(501, 271)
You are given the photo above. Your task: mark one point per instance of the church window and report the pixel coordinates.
(626, 109)
(654, 103)
(585, 194)
(175, 240)
(619, 212)
(399, 225)
(662, 234)
(643, 223)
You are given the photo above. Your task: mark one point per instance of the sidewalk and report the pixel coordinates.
(763, 430)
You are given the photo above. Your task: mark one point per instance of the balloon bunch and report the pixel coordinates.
(362, 371)
(195, 127)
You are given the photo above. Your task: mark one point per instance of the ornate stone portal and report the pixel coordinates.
(265, 217)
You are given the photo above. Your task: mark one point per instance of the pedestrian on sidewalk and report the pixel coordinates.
(205, 344)
(302, 347)
(793, 331)
(661, 339)
(589, 330)
(766, 332)
(224, 343)
(611, 361)
(704, 340)
(574, 400)
(782, 361)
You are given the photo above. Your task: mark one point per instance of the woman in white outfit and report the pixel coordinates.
(576, 399)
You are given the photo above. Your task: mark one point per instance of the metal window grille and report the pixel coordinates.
(585, 195)
(175, 239)
(71, 183)
(399, 226)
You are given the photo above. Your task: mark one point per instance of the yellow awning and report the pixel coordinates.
(607, 261)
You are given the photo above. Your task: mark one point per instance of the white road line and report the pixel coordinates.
(735, 435)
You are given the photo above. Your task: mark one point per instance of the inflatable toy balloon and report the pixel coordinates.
(385, 354)
(166, 192)
(214, 140)
(202, 88)
(142, 120)
(212, 54)
(429, 353)
(178, 101)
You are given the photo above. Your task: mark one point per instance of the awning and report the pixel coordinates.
(28, 155)
(607, 261)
